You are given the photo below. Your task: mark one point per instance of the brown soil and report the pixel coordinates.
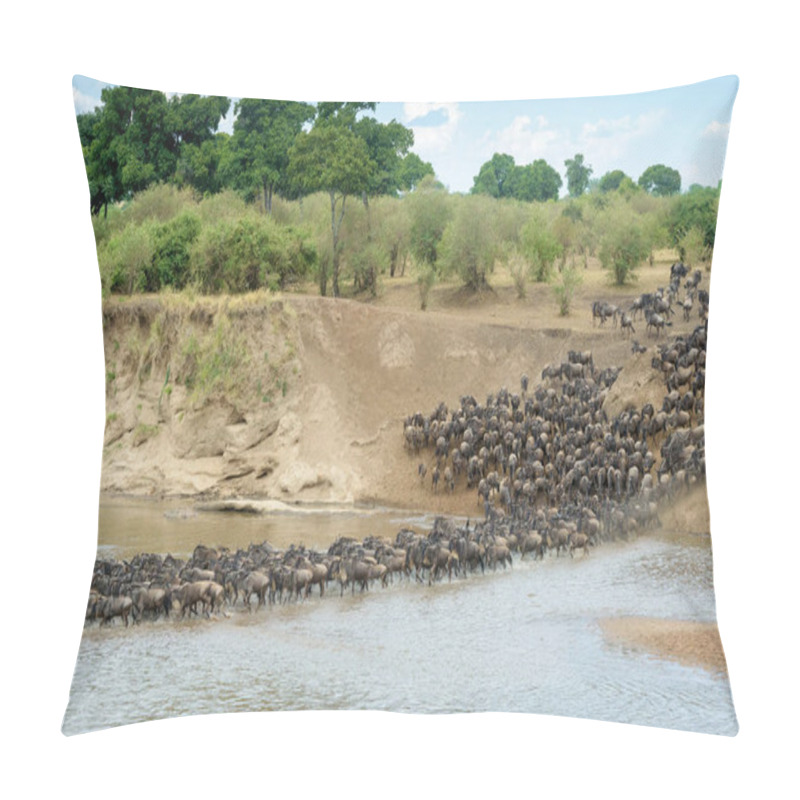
(349, 373)
(691, 643)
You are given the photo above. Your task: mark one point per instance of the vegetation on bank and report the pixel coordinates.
(202, 344)
(328, 194)
(169, 238)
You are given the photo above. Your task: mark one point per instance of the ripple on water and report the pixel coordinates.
(525, 639)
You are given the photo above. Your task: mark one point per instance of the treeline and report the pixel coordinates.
(171, 237)
(178, 204)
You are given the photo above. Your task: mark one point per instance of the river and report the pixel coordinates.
(527, 639)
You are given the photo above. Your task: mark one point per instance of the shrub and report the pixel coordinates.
(425, 281)
(540, 247)
(623, 247)
(519, 269)
(173, 241)
(692, 247)
(125, 259)
(161, 203)
(469, 246)
(696, 209)
(430, 212)
(249, 253)
(569, 279)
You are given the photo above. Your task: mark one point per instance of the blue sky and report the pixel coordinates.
(685, 128)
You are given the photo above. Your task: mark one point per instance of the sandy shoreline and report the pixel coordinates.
(691, 643)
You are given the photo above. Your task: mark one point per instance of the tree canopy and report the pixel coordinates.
(137, 136)
(140, 137)
(263, 133)
(578, 175)
(502, 177)
(660, 180)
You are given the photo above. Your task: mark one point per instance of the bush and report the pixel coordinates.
(469, 246)
(173, 242)
(425, 281)
(250, 253)
(570, 279)
(430, 212)
(696, 209)
(366, 264)
(519, 269)
(623, 247)
(227, 205)
(126, 258)
(540, 247)
(161, 203)
(692, 247)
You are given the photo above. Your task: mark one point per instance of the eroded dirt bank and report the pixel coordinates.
(303, 398)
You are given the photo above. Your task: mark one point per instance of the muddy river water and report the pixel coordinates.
(526, 639)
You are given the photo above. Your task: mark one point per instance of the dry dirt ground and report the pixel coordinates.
(352, 370)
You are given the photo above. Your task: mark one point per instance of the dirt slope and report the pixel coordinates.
(303, 399)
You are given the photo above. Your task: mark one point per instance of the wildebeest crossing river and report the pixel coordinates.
(528, 639)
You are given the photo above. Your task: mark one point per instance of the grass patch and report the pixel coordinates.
(142, 432)
(215, 362)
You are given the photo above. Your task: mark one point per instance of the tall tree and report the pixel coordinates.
(660, 180)
(611, 181)
(578, 175)
(537, 181)
(411, 170)
(263, 134)
(128, 146)
(386, 145)
(195, 118)
(135, 138)
(331, 158)
(493, 176)
(203, 166)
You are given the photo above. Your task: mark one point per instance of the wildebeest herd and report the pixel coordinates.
(657, 307)
(552, 459)
(552, 474)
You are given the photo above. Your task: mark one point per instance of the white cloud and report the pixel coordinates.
(84, 103)
(612, 140)
(429, 139)
(524, 139)
(717, 130)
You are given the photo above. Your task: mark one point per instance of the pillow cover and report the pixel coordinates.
(405, 407)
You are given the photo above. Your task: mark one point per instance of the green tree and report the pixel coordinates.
(411, 170)
(263, 134)
(493, 176)
(660, 180)
(331, 158)
(194, 119)
(387, 144)
(537, 181)
(202, 166)
(611, 181)
(135, 139)
(698, 209)
(578, 175)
